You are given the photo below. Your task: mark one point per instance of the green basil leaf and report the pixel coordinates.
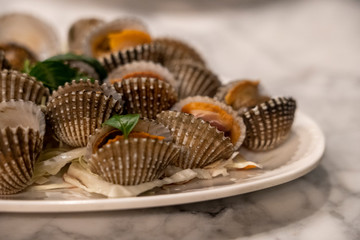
(125, 123)
(91, 61)
(52, 73)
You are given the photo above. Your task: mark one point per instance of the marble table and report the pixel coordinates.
(306, 49)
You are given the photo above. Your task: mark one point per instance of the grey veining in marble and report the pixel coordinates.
(306, 49)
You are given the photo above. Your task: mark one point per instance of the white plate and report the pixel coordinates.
(299, 155)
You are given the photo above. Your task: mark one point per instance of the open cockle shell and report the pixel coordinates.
(174, 49)
(145, 52)
(134, 160)
(201, 143)
(142, 67)
(269, 124)
(225, 89)
(202, 99)
(4, 64)
(78, 30)
(146, 96)
(30, 32)
(21, 86)
(74, 115)
(21, 141)
(97, 34)
(194, 79)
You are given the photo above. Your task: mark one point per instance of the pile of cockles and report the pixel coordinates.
(173, 112)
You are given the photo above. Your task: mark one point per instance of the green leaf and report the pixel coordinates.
(27, 66)
(125, 123)
(53, 73)
(91, 61)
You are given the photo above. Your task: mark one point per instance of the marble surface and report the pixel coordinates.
(307, 49)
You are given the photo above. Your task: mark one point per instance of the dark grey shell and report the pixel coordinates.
(21, 86)
(195, 80)
(201, 144)
(146, 96)
(269, 124)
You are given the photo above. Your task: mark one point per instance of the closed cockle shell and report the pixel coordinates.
(134, 160)
(4, 64)
(175, 49)
(201, 143)
(269, 124)
(238, 130)
(21, 86)
(74, 115)
(146, 52)
(146, 96)
(21, 141)
(194, 79)
(142, 69)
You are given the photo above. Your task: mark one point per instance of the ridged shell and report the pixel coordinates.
(110, 27)
(21, 86)
(74, 116)
(30, 32)
(269, 124)
(175, 49)
(143, 66)
(20, 144)
(194, 79)
(135, 160)
(146, 52)
(4, 64)
(86, 85)
(237, 119)
(79, 30)
(146, 96)
(201, 143)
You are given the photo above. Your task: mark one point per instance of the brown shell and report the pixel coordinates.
(146, 52)
(146, 96)
(4, 64)
(175, 49)
(20, 144)
(79, 30)
(21, 86)
(201, 143)
(269, 124)
(194, 79)
(133, 161)
(74, 116)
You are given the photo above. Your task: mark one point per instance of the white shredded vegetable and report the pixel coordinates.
(80, 177)
(53, 165)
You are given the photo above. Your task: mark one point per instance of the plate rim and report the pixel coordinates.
(90, 205)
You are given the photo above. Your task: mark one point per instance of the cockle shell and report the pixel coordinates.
(146, 52)
(194, 79)
(175, 49)
(21, 86)
(202, 99)
(146, 96)
(134, 160)
(74, 114)
(143, 67)
(116, 25)
(21, 141)
(30, 32)
(269, 124)
(201, 143)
